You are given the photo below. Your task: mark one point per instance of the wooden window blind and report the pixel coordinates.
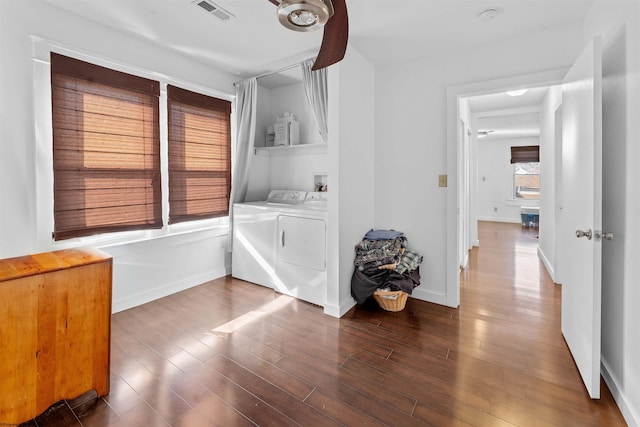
(199, 155)
(525, 154)
(106, 150)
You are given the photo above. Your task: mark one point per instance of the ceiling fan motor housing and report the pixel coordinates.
(304, 15)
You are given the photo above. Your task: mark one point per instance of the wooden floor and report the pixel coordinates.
(229, 353)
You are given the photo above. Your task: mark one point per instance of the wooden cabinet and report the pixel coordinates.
(55, 330)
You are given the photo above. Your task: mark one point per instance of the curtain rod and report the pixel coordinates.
(269, 73)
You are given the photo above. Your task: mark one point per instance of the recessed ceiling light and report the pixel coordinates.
(488, 14)
(518, 92)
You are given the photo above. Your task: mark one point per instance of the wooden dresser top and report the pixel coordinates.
(29, 265)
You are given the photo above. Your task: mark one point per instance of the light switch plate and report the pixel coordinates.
(442, 180)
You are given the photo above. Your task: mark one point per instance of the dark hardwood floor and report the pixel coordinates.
(230, 353)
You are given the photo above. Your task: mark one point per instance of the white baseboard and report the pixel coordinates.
(168, 289)
(497, 219)
(429, 296)
(339, 311)
(631, 415)
(547, 264)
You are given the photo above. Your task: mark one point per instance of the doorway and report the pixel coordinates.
(502, 158)
(457, 98)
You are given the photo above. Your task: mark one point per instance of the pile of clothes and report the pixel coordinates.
(383, 262)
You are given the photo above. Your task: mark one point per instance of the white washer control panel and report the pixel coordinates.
(286, 196)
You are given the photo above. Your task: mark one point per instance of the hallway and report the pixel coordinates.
(510, 315)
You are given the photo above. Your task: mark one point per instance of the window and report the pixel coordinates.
(526, 171)
(526, 180)
(199, 155)
(106, 150)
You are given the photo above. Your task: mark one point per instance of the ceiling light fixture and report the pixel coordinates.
(518, 92)
(304, 15)
(488, 14)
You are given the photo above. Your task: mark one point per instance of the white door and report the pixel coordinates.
(582, 213)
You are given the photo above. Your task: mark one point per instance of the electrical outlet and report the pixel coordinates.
(442, 180)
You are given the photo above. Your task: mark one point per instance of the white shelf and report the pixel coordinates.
(292, 150)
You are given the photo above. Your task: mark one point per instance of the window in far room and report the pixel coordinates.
(526, 172)
(526, 180)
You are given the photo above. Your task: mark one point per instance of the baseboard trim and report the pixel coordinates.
(169, 289)
(429, 296)
(547, 265)
(494, 219)
(339, 311)
(630, 414)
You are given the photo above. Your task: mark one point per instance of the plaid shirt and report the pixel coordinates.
(408, 261)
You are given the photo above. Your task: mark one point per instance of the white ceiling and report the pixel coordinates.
(384, 31)
(496, 102)
(508, 116)
(520, 125)
(254, 42)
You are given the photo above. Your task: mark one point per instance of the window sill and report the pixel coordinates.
(183, 232)
(523, 202)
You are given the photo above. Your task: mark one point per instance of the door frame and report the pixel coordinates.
(455, 158)
(557, 264)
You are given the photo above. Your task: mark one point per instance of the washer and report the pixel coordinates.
(281, 243)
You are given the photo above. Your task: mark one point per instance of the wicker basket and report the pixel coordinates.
(391, 301)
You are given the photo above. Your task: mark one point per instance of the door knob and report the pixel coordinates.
(603, 235)
(585, 233)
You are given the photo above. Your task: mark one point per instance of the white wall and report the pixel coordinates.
(411, 137)
(296, 171)
(285, 168)
(192, 257)
(618, 22)
(292, 99)
(351, 172)
(549, 182)
(289, 98)
(495, 180)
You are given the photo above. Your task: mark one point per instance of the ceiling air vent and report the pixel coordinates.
(214, 9)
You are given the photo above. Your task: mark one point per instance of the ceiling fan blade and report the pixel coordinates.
(335, 37)
(276, 2)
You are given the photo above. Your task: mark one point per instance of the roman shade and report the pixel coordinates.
(525, 154)
(106, 149)
(199, 155)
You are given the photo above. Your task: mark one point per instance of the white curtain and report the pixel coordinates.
(246, 96)
(315, 87)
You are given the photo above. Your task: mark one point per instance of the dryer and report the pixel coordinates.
(282, 243)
